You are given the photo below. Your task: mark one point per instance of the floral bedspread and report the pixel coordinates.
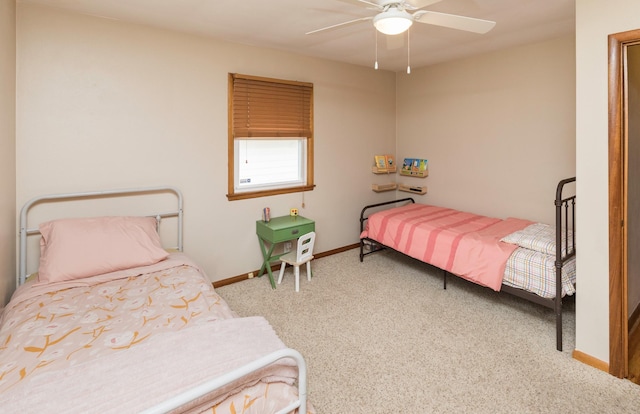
(45, 330)
(65, 327)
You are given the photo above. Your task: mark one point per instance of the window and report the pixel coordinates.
(270, 163)
(270, 136)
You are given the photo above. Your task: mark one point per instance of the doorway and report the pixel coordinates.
(633, 208)
(624, 202)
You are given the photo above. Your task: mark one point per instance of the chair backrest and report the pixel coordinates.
(305, 246)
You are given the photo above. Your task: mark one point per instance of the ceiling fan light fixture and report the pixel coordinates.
(393, 21)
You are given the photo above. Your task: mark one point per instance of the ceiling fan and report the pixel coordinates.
(394, 17)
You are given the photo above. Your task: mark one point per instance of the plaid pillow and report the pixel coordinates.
(539, 237)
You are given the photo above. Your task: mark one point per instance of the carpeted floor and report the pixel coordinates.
(384, 337)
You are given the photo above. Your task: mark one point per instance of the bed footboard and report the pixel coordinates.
(215, 383)
(375, 246)
(565, 236)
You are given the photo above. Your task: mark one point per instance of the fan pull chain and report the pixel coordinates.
(375, 65)
(408, 53)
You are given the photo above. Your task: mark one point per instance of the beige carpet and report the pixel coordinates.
(384, 337)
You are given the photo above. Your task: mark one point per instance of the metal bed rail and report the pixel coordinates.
(215, 383)
(25, 231)
(364, 218)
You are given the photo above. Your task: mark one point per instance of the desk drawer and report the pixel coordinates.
(290, 233)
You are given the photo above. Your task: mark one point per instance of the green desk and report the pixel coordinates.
(278, 230)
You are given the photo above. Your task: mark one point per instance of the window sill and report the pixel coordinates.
(266, 193)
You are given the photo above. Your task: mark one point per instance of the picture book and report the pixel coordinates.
(391, 164)
(418, 167)
(381, 162)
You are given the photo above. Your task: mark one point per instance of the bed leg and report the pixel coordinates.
(445, 279)
(558, 309)
(361, 251)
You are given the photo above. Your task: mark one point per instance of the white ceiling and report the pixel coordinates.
(282, 24)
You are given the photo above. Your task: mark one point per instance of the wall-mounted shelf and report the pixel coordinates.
(379, 188)
(419, 174)
(413, 189)
(377, 170)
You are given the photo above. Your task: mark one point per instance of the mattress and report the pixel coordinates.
(535, 272)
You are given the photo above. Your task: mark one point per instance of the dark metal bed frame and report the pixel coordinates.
(565, 221)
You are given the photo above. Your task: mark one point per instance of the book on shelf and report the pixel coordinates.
(391, 164)
(381, 162)
(418, 167)
(385, 163)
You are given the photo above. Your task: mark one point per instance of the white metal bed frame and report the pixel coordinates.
(215, 383)
(25, 231)
(210, 385)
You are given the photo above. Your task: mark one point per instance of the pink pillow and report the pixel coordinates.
(76, 248)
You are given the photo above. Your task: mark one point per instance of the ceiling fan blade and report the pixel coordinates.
(454, 21)
(339, 24)
(419, 4)
(376, 5)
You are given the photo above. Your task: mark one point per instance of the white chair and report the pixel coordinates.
(303, 254)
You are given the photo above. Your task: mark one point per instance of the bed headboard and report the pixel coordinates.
(26, 230)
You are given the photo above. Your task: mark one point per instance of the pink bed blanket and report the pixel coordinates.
(127, 340)
(165, 365)
(462, 243)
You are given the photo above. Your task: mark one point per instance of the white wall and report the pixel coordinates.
(104, 104)
(498, 129)
(595, 20)
(7, 148)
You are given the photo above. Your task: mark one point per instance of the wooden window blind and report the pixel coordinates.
(270, 108)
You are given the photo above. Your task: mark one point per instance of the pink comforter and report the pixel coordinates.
(123, 341)
(464, 244)
(163, 366)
